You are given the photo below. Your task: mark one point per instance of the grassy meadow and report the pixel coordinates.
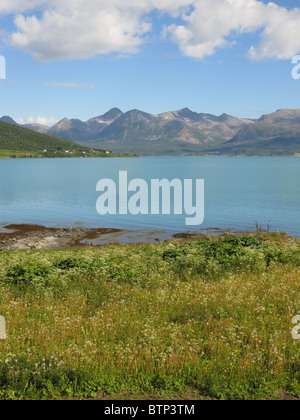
(208, 318)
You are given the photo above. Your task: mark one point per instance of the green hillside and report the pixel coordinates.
(261, 131)
(20, 142)
(278, 146)
(276, 134)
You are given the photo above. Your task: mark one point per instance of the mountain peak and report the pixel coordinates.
(190, 116)
(106, 118)
(137, 115)
(114, 111)
(63, 124)
(111, 115)
(8, 120)
(187, 111)
(282, 116)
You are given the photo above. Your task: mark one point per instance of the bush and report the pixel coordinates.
(123, 275)
(71, 263)
(245, 241)
(174, 254)
(25, 273)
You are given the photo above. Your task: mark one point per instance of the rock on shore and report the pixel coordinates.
(30, 237)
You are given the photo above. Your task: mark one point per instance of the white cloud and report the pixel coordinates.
(280, 38)
(70, 85)
(81, 29)
(49, 121)
(217, 23)
(19, 6)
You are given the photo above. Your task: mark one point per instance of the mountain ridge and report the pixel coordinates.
(182, 132)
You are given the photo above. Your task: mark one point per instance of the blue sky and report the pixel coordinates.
(152, 55)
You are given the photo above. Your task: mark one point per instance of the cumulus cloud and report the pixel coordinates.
(217, 24)
(81, 29)
(280, 38)
(19, 6)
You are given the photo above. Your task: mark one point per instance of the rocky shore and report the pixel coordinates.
(30, 237)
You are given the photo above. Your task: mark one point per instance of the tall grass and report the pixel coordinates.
(212, 316)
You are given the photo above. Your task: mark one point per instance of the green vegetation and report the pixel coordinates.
(18, 142)
(165, 147)
(279, 146)
(210, 317)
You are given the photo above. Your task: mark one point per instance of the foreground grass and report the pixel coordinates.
(208, 317)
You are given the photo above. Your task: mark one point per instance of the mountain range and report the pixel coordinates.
(182, 132)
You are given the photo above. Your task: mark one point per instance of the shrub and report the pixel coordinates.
(123, 274)
(69, 263)
(174, 254)
(244, 241)
(25, 273)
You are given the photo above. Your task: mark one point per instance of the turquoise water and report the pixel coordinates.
(238, 191)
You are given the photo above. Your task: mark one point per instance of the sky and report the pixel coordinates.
(80, 58)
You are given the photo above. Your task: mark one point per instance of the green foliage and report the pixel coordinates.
(174, 254)
(16, 142)
(123, 275)
(244, 241)
(70, 263)
(277, 146)
(217, 257)
(210, 316)
(23, 274)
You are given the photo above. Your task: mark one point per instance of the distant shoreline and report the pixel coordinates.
(125, 156)
(12, 156)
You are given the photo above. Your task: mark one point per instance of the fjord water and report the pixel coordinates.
(238, 191)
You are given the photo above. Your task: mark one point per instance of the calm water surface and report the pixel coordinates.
(238, 191)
